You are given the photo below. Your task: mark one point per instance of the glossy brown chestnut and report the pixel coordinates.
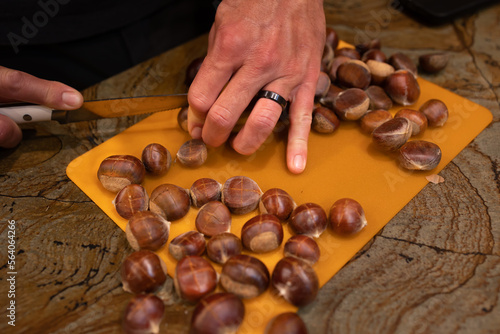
(187, 243)
(295, 281)
(156, 159)
(309, 219)
(379, 71)
(378, 98)
(218, 313)
(192, 153)
(245, 276)
(147, 230)
(213, 218)
(327, 100)
(131, 199)
(401, 61)
(433, 62)
(222, 246)
(143, 315)
(419, 155)
(391, 135)
(347, 52)
(192, 69)
(417, 119)
(194, 278)
(354, 74)
(117, 171)
(143, 272)
(362, 48)
(303, 247)
(170, 201)
(351, 104)
(332, 38)
(372, 119)
(241, 194)
(204, 190)
(278, 202)
(347, 217)
(327, 58)
(324, 120)
(374, 54)
(336, 62)
(262, 233)
(436, 112)
(402, 87)
(322, 85)
(182, 118)
(286, 323)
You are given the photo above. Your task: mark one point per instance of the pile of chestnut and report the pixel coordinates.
(243, 274)
(362, 84)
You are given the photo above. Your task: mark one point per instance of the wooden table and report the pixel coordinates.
(435, 267)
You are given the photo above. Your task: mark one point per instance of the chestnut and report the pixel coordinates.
(351, 104)
(303, 247)
(347, 52)
(327, 57)
(170, 201)
(332, 38)
(401, 61)
(419, 155)
(192, 70)
(372, 119)
(204, 190)
(354, 74)
(286, 323)
(336, 62)
(187, 243)
(309, 219)
(374, 54)
(182, 119)
(147, 230)
(378, 98)
(433, 62)
(436, 112)
(241, 194)
(324, 120)
(192, 153)
(392, 134)
(347, 217)
(245, 276)
(402, 87)
(295, 281)
(131, 199)
(277, 202)
(327, 100)
(156, 159)
(194, 278)
(143, 314)
(218, 313)
(262, 233)
(362, 48)
(143, 272)
(222, 246)
(379, 71)
(417, 119)
(213, 218)
(117, 171)
(322, 85)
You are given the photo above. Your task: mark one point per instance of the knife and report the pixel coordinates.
(95, 109)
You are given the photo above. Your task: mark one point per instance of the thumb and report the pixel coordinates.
(10, 133)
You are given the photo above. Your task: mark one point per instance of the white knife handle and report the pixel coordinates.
(27, 113)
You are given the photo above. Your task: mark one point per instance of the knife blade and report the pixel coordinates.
(95, 109)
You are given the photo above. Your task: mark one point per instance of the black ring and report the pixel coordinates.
(273, 96)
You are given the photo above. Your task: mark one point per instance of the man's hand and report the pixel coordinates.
(261, 44)
(19, 86)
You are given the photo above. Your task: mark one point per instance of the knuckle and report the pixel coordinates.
(263, 121)
(220, 117)
(13, 82)
(228, 40)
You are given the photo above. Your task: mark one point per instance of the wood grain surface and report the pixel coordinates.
(435, 267)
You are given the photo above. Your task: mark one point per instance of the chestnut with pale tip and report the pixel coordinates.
(192, 153)
(286, 323)
(262, 233)
(143, 272)
(147, 230)
(401, 61)
(324, 120)
(302, 247)
(143, 315)
(117, 171)
(278, 202)
(218, 313)
(347, 217)
(391, 135)
(213, 218)
(402, 87)
(156, 159)
(309, 219)
(354, 74)
(378, 98)
(187, 243)
(351, 104)
(419, 155)
(436, 112)
(295, 281)
(373, 119)
(222, 246)
(194, 278)
(170, 201)
(130, 200)
(417, 119)
(245, 276)
(379, 71)
(204, 190)
(433, 62)
(241, 194)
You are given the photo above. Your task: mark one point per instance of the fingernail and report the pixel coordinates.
(299, 163)
(72, 99)
(196, 132)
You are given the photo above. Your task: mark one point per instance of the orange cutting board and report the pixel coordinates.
(342, 164)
